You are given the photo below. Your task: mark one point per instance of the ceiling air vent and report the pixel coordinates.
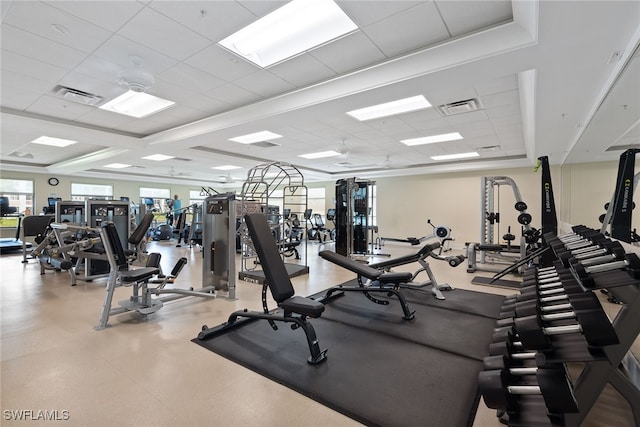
(459, 107)
(75, 95)
(264, 144)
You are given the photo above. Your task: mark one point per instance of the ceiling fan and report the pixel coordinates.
(173, 172)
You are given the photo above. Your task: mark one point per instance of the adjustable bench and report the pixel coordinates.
(293, 309)
(379, 281)
(420, 257)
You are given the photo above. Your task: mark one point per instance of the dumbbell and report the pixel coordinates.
(608, 249)
(593, 324)
(567, 312)
(566, 287)
(585, 301)
(587, 275)
(500, 390)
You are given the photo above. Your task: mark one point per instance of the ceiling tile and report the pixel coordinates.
(190, 77)
(374, 11)
(124, 52)
(15, 96)
(511, 97)
(26, 43)
(264, 83)
(302, 70)
(107, 14)
(31, 67)
(154, 30)
(57, 107)
(496, 85)
(38, 18)
(233, 95)
(348, 53)
(221, 63)
(214, 20)
(462, 17)
(409, 30)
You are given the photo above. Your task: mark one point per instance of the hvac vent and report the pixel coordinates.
(460, 107)
(75, 95)
(488, 148)
(264, 144)
(182, 159)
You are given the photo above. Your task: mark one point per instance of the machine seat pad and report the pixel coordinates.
(302, 305)
(138, 275)
(287, 245)
(488, 247)
(395, 277)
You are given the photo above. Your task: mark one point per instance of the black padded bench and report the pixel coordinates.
(425, 251)
(293, 309)
(379, 282)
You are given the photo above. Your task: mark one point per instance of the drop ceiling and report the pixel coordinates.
(536, 70)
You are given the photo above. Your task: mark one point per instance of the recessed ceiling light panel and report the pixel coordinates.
(137, 104)
(54, 142)
(251, 138)
(158, 157)
(294, 28)
(456, 156)
(432, 139)
(399, 106)
(226, 167)
(117, 165)
(320, 154)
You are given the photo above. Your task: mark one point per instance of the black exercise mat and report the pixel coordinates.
(499, 283)
(436, 323)
(375, 372)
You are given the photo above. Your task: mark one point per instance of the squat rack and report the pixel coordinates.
(259, 194)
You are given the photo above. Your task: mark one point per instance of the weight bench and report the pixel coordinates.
(420, 257)
(379, 281)
(293, 309)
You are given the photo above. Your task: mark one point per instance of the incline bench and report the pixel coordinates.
(277, 280)
(378, 279)
(420, 257)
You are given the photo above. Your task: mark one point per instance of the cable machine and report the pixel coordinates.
(219, 243)
(273, 189)
(354, 216)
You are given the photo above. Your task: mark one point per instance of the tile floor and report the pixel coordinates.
(146, 372)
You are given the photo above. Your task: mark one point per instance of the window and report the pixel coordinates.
(196, 196)
(316, 200)
(19, 194)
(81, 192)
(155, 200)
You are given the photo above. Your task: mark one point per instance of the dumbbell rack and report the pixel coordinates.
(612, 364)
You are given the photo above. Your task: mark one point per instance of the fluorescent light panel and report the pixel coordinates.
(158, 157)
(432, 139)
(320, 154)
(117, 165)
(54, 142)
(226, 167)
(264, 135)
(400, 106)
(137, 104)
(296, 27)
(456, 156)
